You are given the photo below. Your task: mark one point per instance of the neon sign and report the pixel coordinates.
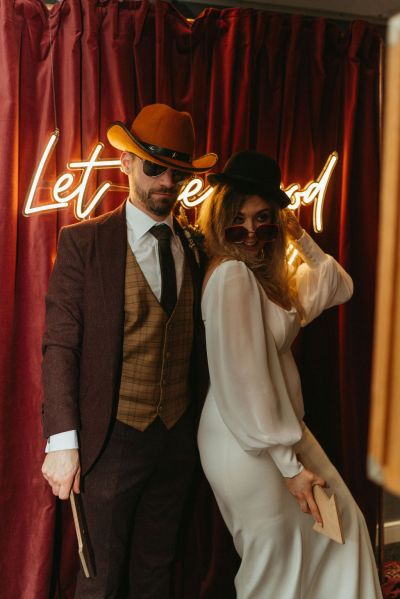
(66, 189)
(66, 180)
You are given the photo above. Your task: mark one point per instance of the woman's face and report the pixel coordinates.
(255, 211)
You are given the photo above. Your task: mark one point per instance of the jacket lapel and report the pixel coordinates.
(195, 270)
(198, 376)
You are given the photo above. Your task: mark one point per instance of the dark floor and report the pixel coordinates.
(391, 572)
(391, 507)
(391, 513)
(392, 552)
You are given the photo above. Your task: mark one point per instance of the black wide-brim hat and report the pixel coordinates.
(251, 172)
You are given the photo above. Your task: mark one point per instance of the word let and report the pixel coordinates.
(66, 180)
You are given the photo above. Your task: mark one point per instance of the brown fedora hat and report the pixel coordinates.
(163, 135)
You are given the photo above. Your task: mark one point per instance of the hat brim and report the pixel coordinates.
(245, 185)
(121, 138)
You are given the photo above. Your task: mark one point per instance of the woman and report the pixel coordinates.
(259, 457)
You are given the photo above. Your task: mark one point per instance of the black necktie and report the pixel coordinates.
(168, 276)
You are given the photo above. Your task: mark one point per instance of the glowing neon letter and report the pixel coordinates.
(79, 192)
(314, 192)
(60, 186)
(66, 180)
(322, 183)
(29, 209)
(191, 190)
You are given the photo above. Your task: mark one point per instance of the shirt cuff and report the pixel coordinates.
(285, 460)
(65, 440)
(309, 250)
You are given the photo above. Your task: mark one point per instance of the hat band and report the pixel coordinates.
(156, 150)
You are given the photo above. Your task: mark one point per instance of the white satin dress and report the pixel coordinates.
(251, 432)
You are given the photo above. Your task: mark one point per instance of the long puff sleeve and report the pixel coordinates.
(321, 281)
(247, 381)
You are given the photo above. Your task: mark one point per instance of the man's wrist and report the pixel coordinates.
(64, 440)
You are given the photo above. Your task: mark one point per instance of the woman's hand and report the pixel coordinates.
(300, 486)
(293, 228)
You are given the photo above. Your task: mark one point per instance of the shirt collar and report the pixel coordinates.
(140, 223)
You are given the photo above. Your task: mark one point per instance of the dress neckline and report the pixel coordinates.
(291, 310)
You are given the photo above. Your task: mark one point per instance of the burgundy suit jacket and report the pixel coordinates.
(82, 344)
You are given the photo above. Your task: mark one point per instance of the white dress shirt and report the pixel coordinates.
(145, 248)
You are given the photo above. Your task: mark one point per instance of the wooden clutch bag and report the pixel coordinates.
(84, 547)
(327, 506)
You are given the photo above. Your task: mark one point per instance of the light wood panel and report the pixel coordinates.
(384, 439)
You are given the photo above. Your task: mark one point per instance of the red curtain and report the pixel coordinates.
(296, 88)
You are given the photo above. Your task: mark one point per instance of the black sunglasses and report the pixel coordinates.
(151, 169)
(237, 233)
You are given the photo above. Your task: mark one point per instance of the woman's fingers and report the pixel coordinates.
(304, 507)
(319, 481)
(301, 487)
(292, 225)
(314, 509)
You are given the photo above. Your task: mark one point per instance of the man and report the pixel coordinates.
(124, 361)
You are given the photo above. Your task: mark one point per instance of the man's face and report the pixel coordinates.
(155, 195)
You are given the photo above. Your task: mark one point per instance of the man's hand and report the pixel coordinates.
(62, 471)
(300, 486)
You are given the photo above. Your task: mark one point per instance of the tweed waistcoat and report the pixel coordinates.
(156, 352)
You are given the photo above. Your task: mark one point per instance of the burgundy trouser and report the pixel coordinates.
(133, 500)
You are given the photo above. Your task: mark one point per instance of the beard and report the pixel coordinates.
(153, 203)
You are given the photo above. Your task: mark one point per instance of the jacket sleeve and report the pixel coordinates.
(63, 338)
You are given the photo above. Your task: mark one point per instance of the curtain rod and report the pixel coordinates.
(271, 7)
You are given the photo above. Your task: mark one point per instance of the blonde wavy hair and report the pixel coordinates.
(217, 213)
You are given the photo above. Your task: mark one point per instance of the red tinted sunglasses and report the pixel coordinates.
(237, 233)
(151, 169)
